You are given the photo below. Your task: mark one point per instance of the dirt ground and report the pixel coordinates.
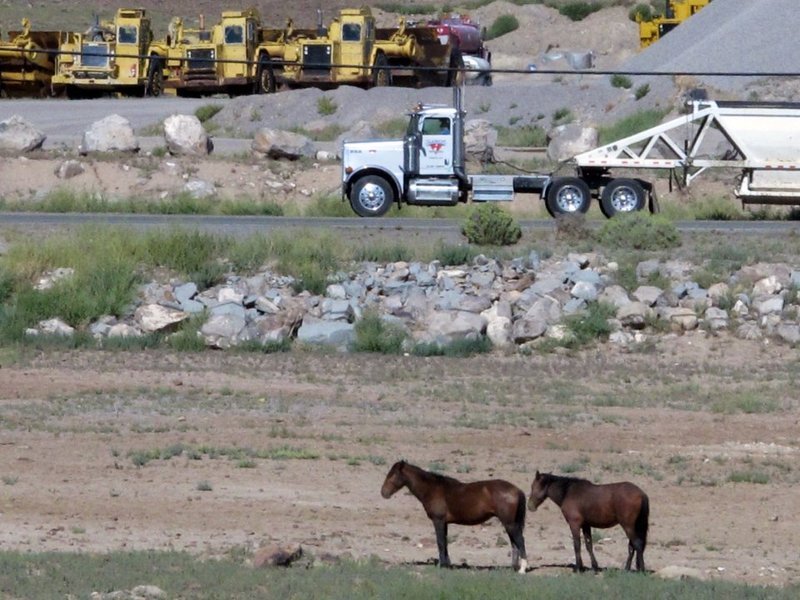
(73, 425)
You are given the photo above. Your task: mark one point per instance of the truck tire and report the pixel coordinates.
(381, 73)
(265, 77)
(371, 196)
(568, 196)
(622, 196)
(155, 78)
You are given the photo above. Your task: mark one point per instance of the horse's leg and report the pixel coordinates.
(630, 556)
(576, 543)
(519, 559)
(638, 545)
(587, 536)
(440, 525)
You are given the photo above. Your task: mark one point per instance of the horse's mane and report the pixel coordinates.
(566, 479)
(437, 477)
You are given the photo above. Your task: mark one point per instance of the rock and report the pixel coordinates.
(767, 305)
(616, 295)
(52, 277)
(647, 294)
(445, 327)
(749, 331)
(18, 135)
(282, 144)
(199, 189)
(148, 592)
(677, 572)
(123, 330)
(584, 290)
(634, 315)
(480, 138)
(568, 140)
(185, 292)
(69, 169)
(55, 326)
(716, 318)
(276, 556)
(545, 308)
(185, 135)
(682, 319)
(718, 291)
(360, 131)
(525, 330)
(331, 333)
(325, 156)
(788, 332)
(222, 330)
(155, 317)
(113, 133)
(646, 268)
(498, 330)
(767, 286)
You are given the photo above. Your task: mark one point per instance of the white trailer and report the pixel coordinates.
(427, 167)
(761, 140)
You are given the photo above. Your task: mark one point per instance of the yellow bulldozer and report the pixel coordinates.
(118, 56)
(27, 60)
(675, 13)
(354, 51)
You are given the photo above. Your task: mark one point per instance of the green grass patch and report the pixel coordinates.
(639, 231)
(747, 402)
(207, 111)
(578, 11)
(631, 124)
(525, 136)
(621, 81)
(373, 334)
(74, 574)
(501, 26)
(758, 477)
(326, 106)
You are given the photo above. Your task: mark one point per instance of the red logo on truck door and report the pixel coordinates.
(436, 146)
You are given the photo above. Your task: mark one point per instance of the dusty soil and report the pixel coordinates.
(72, 422)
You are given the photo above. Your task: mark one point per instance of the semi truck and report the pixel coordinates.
(427, 167)
(119, 56)
(27, 60)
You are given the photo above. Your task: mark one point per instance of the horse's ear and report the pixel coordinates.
(537, 474)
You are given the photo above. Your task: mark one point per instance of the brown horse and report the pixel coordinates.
(586, 505)
(447, 500)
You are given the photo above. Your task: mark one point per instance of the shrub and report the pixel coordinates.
(449, 254)
(590, 326)
(562, 115)
(639, 231)
(526, 136)
(326, 106)
(577, 11)
(642, 91)
(489, 225)
(373, 334)
(207, 111)
(631, 124)
(502, 25)
(641, 12)
(6, 284)
(621, 81)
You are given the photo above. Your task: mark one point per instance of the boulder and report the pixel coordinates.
(565, 141)
(155, 317)
(525, 330)
(678, 572)
(275, 143)
(18, 135)
(198, 189)
(111, 134)
(69, 169)
(647, 294)
(445, 327)
(480, 138)
(55, 326)
(223, 330)
(789, 333)
(186, 135)
(634, 315)
(331, 333)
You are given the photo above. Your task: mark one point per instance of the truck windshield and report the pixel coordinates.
(127, 34)
(351, 32)
(94, 55)
(234, 34)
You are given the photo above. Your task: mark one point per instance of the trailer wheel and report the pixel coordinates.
(265, 77)
(381, 73)
(622, 196)
(155, 78)
(568, 196)
(371, 196)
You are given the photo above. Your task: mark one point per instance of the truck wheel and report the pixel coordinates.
(155, 78)
(371, 196)
(568, 196)
(381, 73)
(265, 77)
(622, 196)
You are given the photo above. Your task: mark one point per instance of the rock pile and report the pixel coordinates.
(516, 303)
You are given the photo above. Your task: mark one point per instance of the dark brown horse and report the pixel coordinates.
(586, 505)
(447, 500)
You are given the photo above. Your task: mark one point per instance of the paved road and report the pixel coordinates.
(245, 225)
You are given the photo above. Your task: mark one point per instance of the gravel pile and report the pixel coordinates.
(729, 36)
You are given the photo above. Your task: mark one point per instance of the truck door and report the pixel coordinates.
(127, 50)
(436, 150)
(354, 48)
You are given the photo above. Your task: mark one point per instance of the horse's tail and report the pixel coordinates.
(521, 507)
(642, 520)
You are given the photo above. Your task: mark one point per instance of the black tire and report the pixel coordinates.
(371, 196)
(155, 78)
(265, 77)
(568, 196)
(381, 73)
(622, 196)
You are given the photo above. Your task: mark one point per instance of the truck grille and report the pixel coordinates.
(95, 55)
(200, 60)
(317, 60)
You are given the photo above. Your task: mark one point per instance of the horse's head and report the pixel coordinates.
(395, 479)
(538, 490)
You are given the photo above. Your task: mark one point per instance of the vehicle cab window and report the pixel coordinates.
(127, 34)
(351, 32)
(234, 34)
(436, 126)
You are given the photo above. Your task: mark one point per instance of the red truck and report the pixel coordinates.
(466, 35)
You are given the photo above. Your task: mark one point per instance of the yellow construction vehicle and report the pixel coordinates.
(119, 56)
(675, 13)
(230, 57)
(353, 51)
(27, 60)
